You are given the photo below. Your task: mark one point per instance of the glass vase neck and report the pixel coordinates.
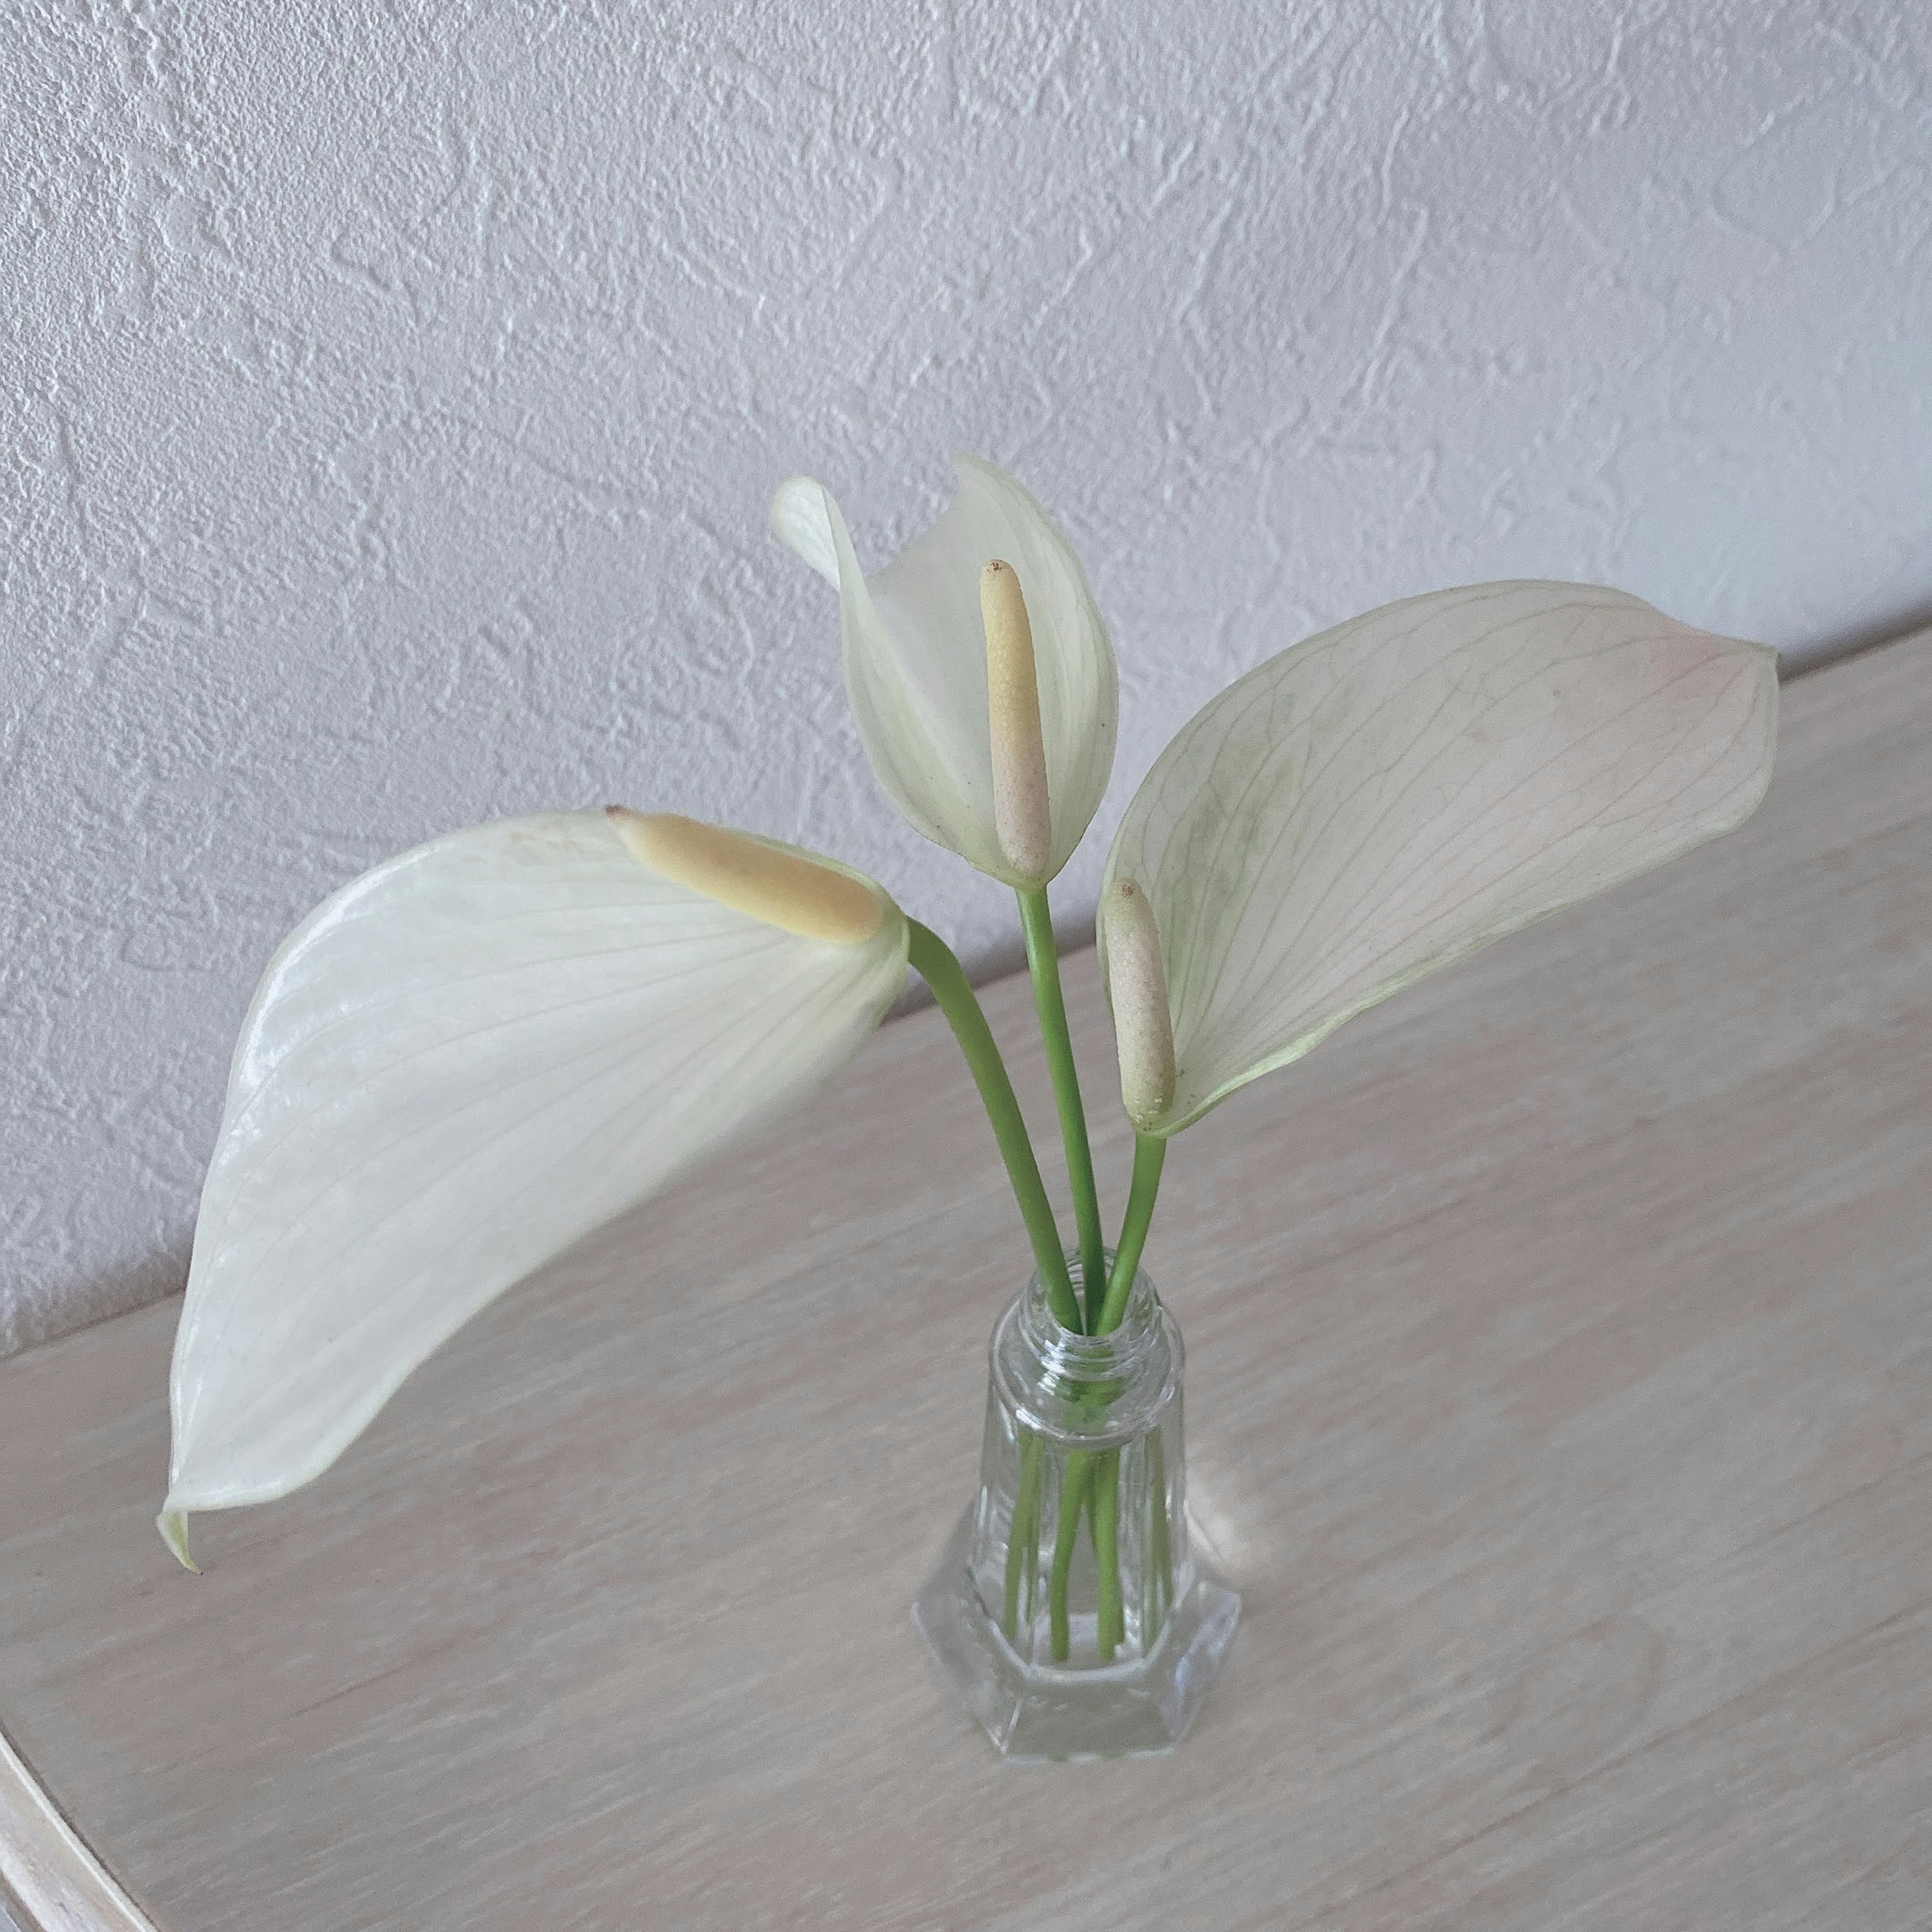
(1088, 1389)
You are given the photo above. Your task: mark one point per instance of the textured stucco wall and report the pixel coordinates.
(392, 393)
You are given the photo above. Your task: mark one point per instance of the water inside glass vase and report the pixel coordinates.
(1074, 1611)
(1080, 1548)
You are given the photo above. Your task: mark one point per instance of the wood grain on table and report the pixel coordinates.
(1560, 1398)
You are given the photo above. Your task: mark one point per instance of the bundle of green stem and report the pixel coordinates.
(1090, 1487)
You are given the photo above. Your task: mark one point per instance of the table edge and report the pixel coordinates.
(50, 1879)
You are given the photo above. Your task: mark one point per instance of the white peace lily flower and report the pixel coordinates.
(1397, 793)
(473, 1055)
(916, 642)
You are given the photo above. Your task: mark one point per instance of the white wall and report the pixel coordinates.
(392, 394)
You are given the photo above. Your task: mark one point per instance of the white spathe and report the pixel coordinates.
(473, 1055)
(1398, 792)
(915, 658)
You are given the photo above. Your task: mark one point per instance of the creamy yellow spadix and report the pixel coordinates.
(1022, 814)
(465, 1061)
(1137, 993)
(778, 884)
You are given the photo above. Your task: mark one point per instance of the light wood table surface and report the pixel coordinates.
(1560, 1398)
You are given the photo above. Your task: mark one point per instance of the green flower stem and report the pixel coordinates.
(1164, 1562)
(1043, 963)
(1160, 1566)
(1150, 1154)
(1023, 1534)
(1092, 1507)
(1066, 1533)
(1150, 1151)
(932, 959)
(1105, 1489)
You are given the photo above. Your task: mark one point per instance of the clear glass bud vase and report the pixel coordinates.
(1073, 1612)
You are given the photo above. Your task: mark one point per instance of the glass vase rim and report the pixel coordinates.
(1114, 1352)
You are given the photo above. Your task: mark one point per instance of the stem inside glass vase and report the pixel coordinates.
(1086, 1435)
(1072, 1612)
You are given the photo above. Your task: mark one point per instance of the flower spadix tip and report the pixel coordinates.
(783, 887)
(1022, 814)
(1137, 990)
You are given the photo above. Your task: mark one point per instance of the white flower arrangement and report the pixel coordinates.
(482, 1050)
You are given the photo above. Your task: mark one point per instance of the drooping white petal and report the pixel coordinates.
(915, 658)
(476, 1053)
(1398, 792)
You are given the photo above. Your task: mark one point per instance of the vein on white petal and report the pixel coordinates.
(1369, 890)
(437, 1126)
(1365, 889)
(351, 1420)
(571, 1098)
(291, 1317)
(467, 1038)
(783, 1015)
(437, 991)
(1411, 837)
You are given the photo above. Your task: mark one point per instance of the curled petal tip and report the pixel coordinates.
(172, 1525)
(801, 520)
(783, 887)
(1022, 812)
(1137, 989)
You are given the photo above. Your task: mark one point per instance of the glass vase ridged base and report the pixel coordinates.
(1074, 1612)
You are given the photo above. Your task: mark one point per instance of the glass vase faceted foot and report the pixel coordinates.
(1074, 1611)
